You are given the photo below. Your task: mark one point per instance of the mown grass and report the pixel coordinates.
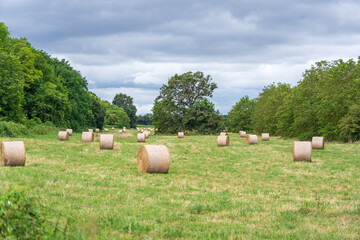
(210, 192)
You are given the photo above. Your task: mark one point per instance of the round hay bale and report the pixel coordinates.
(265, 137)
(90, 130)
(63, 135)
(141, 137)
(153, 159)
(112, 128)
(70, 131)
(106, 130)
(302, 151)
(87, 137)
(251, 139)
(180, 134)
(223, 141)
(120, 131)
(97, 130)
(106, 141)
(242, 134)
(147, 134)
(13, 154)
(224, 134)
(317, 142)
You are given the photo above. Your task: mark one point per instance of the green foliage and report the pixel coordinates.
(20, 217)
(98, 111)
(182, 105)
(266, 107)
(145, 119)
(126, 102)
(350, 124)
(240, 116)
(11, 129)
(116, 117)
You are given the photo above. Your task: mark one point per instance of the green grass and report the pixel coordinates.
(210, 192)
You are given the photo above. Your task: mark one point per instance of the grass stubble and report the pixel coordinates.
(235, 192)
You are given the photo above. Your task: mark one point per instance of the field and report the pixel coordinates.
(210, 192)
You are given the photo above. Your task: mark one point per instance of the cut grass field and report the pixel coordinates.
(236, 192)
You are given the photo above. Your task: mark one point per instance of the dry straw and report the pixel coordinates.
(106, 130)
(90, 130)
(223, 141)
(223, 133)
(265, 137)
(317, 142)
(180, 134)
(106, 141)
(13, 154)
(251, 139)
(112, 128)
(242, 134)
(120, 131)
(141, 137)
(63, 135)
(153, 159)
(87, 136)
(147, 134)
(302, 151)
(97, 130)
(70, 131)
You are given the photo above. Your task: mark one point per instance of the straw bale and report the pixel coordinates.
(180, 134)
(13, 154)
(106, 141)
(63, 135)
(251, 139)
(141, 137)
(87, 137)
(302, 151)
(70, 131)
(265, 137)
(223, 141)
(153, 159)
(242, 134)
(317, 142)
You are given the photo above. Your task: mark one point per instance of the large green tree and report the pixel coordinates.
(182, 105)
(98, 111)
(240, 116)
(126, 102)
(116, 117)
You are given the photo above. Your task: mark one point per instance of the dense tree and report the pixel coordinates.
(266, 106)
(98, 111)
(182, 105)
(116, 117)
(240, 116)
(126, 102)
(145, 119)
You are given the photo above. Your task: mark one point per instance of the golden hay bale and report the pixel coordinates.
(317, 142)
(302, 151)
(223, 141)
(63, 135)
(141, 137)
(147, 134)
(112, 128)
(120, 131)
(223, 134)
(70, 131)
(106, 141)
(90, 130)
(106, 130)
(242, 134)
(180, 134)
(13, 153)
(153, 159)
(87, 137)
(251, 139)
(265, 137)
(97, 130)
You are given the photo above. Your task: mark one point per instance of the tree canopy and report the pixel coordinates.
(126, 102)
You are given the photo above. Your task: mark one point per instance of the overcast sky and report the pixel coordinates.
(134, 46)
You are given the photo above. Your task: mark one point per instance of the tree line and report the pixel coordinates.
(326, 102)
(36, 88)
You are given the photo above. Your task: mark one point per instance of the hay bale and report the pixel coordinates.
(147, 134)
(153, 159)
(317, 142)
(106, 141)
(13, 154)
(63, 135)
(70, 131)
(223, 141)
(97, 130)
(112, 128)
(141, 137)
(90, 130)
(180, 134)
(265, 137)
(251, 139)
(302, 151)
(120, 131)
(223, 134)
(106, 130)
(242, 134)
(87, 137)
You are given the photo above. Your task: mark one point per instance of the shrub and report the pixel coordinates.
(11, 129)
